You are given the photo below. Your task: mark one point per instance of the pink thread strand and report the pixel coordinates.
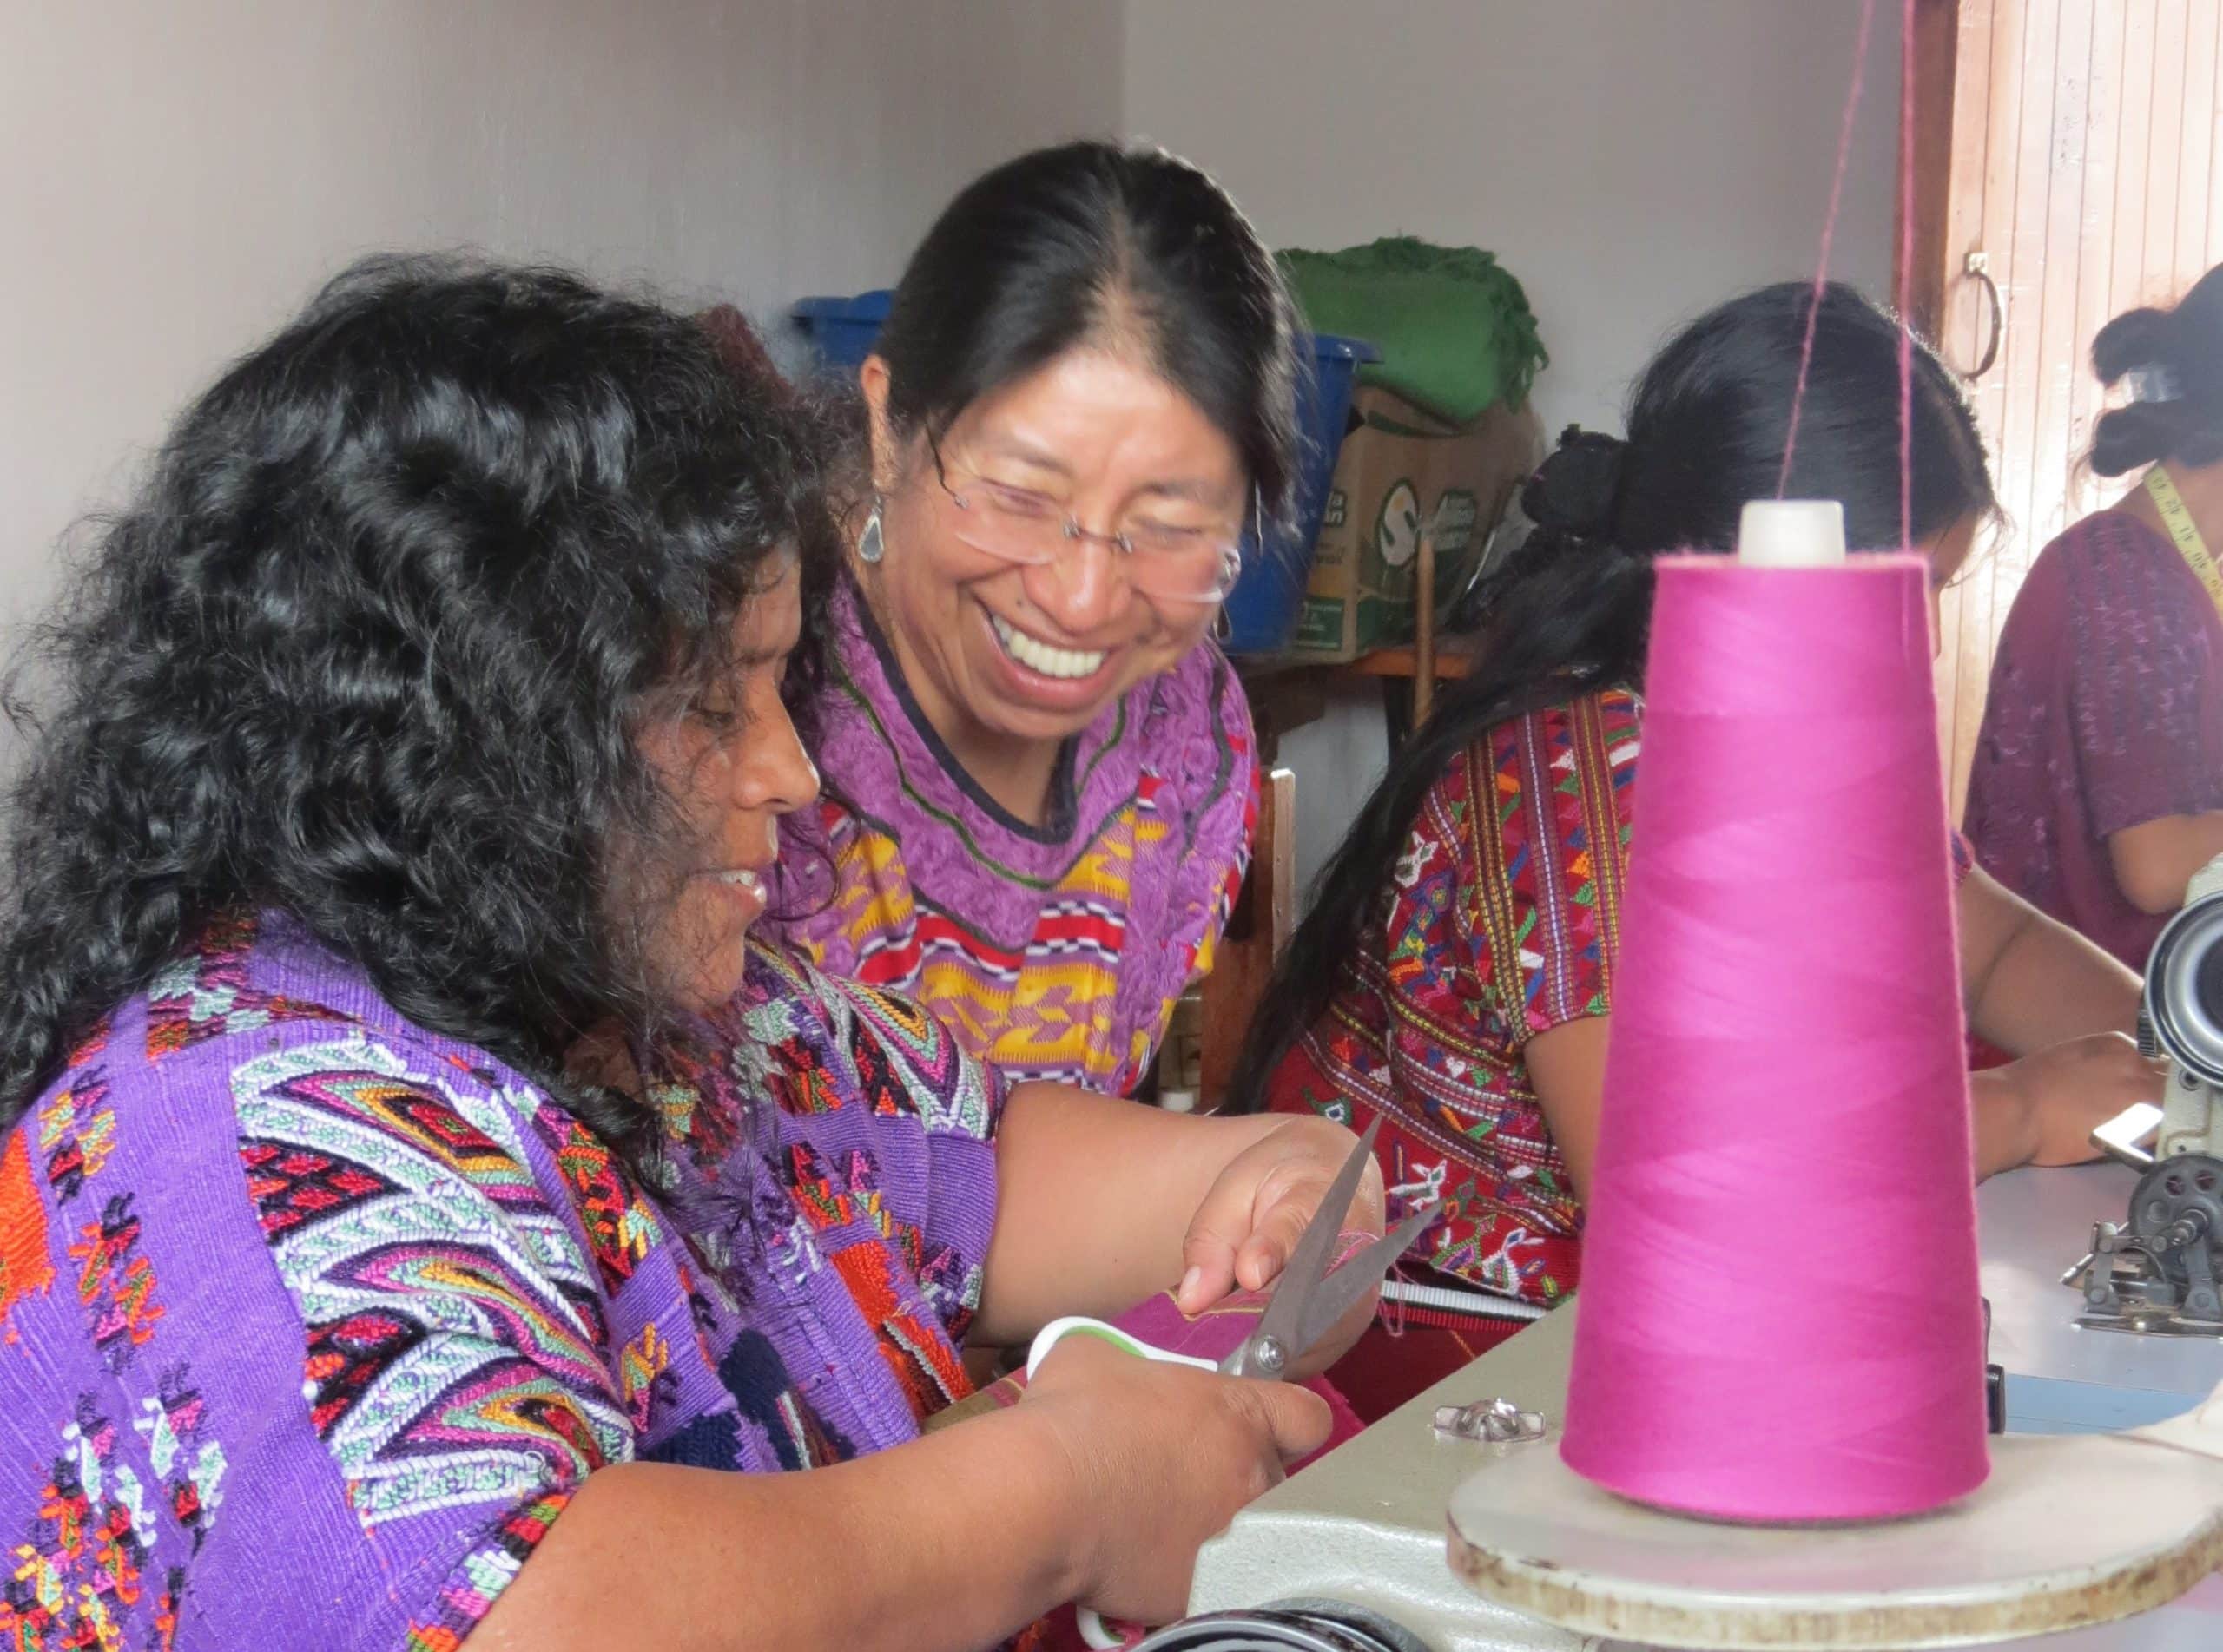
(1906, 275)
(1829, 233)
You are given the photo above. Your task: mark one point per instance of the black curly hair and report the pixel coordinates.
(372, 648)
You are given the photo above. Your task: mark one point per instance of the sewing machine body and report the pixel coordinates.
(1366, 1524)
(2156, 1265)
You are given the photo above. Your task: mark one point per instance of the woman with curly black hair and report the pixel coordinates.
(418, 1197)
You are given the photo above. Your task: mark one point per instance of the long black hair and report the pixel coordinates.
(1569, 612)
(1091, 242)
(2184, 346)
(373, 647)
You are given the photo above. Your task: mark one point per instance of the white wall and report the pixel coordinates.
(175, 179)
(1633, 161)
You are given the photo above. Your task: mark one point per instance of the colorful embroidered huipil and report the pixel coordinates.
(1501, 922)
(311, 1321)
(1055, 951)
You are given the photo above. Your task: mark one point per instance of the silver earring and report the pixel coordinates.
(871, 547)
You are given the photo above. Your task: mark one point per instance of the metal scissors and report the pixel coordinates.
(1307, 1302)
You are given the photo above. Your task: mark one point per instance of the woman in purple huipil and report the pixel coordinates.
(1041, 773)
(425, 1214)
(2097, 787)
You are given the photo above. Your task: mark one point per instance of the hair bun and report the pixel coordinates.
(2130, 437)
(2134, 339)
(2176, 356)
(1576, 491)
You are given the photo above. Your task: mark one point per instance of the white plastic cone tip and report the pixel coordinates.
(1792, 533)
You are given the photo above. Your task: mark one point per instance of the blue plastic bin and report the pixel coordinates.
(842, 331)
(1262, 610)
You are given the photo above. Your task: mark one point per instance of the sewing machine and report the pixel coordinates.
(1366, 1525)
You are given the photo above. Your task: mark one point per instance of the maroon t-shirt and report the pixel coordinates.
(2105, 712)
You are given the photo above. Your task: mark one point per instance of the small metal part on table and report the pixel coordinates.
(1494, 1421)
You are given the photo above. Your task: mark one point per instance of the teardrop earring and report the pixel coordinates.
(871, 546)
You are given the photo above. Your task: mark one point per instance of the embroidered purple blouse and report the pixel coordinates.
(311, 1321)
(1055, 951)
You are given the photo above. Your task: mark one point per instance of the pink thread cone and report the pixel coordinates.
(1780, 1314)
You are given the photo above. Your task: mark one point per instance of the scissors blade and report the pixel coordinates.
(1308, 1263)
(1341, 1290)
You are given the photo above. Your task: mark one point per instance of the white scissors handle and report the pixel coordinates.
(1095, 1632)
(1058, 1330)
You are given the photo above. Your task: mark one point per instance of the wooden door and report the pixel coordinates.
(2072, 152)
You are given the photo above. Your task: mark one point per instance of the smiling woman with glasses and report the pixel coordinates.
(1040, 776)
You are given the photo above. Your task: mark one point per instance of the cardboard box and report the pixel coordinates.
(1400, 468)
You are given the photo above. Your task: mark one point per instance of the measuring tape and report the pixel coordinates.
(2176, 517)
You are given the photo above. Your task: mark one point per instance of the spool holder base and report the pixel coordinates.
(1525, 1531)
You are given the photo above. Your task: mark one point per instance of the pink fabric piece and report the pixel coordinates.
(1213, 1334)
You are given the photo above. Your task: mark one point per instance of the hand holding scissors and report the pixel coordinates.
(1308, 1300)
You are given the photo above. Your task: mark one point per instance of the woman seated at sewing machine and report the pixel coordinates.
(1454, 977)
(2097, 787)
(419, 1194)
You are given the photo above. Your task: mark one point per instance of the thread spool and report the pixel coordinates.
(1780, 1310)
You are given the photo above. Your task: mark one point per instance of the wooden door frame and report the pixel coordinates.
(1935, 46)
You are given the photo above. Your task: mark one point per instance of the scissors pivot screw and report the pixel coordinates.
(1268, 1357)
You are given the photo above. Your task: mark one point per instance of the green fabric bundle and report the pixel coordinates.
(1454, 329)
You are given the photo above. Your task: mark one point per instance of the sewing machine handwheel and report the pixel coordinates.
(1287, 1626)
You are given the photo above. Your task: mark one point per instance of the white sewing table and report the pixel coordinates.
(1366, 1523)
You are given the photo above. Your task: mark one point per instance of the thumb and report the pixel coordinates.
(1299, 1419)
(1211, 1246)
